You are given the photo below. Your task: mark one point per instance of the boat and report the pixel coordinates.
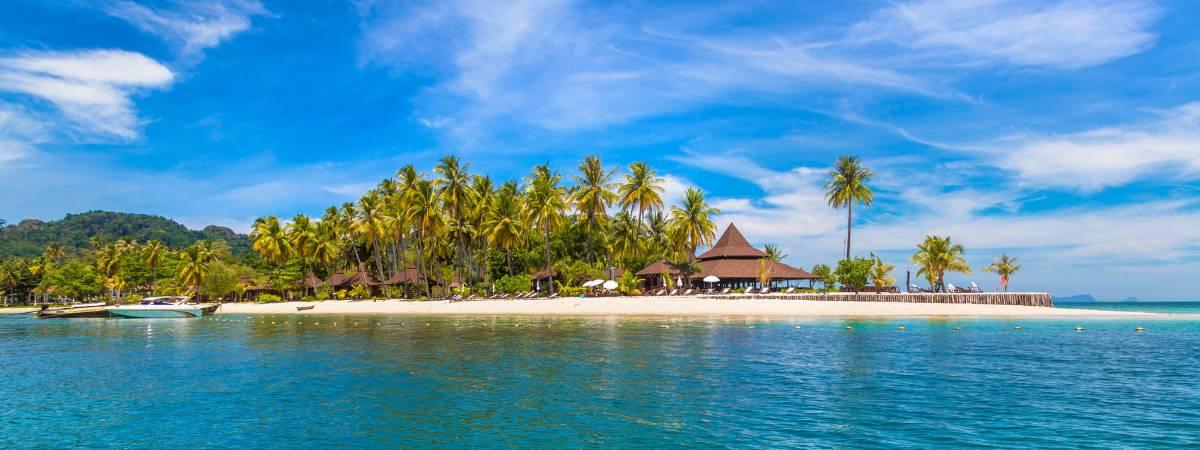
(160, 308)
(305, 308)
(74, 311)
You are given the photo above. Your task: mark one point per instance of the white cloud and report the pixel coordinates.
(1095, 159)
(1067, 34)
(91, 88)
(192, 26)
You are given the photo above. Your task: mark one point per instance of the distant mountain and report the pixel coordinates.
(1081, 298)
(1130, 300)
(30, 236)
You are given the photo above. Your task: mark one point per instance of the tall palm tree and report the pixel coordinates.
(301, 236)
(592, 195)
(657, 231)
(54, 252)
(408, 180)
(848, 185)
(641, 189)
(345, 227)
(483, 192)
(325, 249)
(372, 225)
(504, 226)
(624, 235)
(1005, 267)
(691, 226)
(545, 201)
(269, 238)
(153, 253)
(426, 216)
(455, 192)
(936, 256)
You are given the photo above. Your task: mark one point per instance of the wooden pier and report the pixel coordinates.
(984, 298)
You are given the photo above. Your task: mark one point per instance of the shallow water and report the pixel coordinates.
(359, 381)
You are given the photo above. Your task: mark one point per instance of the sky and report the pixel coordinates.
(1066, 133)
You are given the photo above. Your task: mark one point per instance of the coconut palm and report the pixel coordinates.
(774, 253)
(153, 253)
(545, 201)
(592, 195)
(325, 249)
(936, 256)
(848, 185)
(426, 216)
(456, 196)
(691, 225)
(194, 269)
(624, 235)
(484, 193)
(301, 236)
(372, 225)
(1005, 267)
(54, 252)
(641, 189)
(881, 272)
(657, 231)
(504, 227)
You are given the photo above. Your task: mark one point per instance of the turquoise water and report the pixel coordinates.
(1154, 307)
(288, 381)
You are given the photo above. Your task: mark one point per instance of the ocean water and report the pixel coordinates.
(360, 381)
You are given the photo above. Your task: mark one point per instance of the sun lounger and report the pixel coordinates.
(790, 290)
(765, 290)
(673, 291)
(554, 295)
(687, 292)
(724, 291)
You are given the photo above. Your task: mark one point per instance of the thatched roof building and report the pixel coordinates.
(732, 259)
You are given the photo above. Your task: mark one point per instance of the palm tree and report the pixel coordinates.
(372, 225)
(881, 272)
(1005, 267)
(153, 253)
(301, 236)
(270, 239)
(196, 259)
(325, 248)
(456, 195)
(690, 224)
(848, 185)
(774, 253)
(545, 201)
(624, 235)
(504, 226)
(592, 195)
(658, 232)
(641, 189)
(936, 256)
(484, 193)
(426, 216)
(54, 253)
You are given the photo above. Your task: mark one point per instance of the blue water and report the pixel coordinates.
(289, 381)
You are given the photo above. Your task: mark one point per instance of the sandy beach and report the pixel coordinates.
(647, 306)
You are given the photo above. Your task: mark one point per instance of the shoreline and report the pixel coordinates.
(651, 306)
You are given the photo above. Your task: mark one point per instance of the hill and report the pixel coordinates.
(1082, 298)
(30, 236)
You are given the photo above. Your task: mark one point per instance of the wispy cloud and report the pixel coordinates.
(91, 88)
(1089, 161)
(191, 26)
(1065, 34)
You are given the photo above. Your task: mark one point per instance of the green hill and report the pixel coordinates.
(30, 236)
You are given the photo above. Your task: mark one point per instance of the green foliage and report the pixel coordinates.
(222, 279)
(133, 298)
(515, 283)
(628, 284)
(359, 292)
(308, 298)
(824, 275)
(74, 279)
(571, 291)
(577, 272)
(854, 273)
(269, 298)
(324, 292)
(29, 237)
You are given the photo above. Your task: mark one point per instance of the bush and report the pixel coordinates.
(269, 298)
(359, 292)
(514, 283)
(133, 298)
(308, 298)
(394, 292)
(571, 291)
(324, 292)
(340, 294)
(854, 273)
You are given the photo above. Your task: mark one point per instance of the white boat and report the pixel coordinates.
(160, 308)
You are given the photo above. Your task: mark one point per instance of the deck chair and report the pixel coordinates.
(975, 287)
(554, 295)
(724, 291)
(673, 291)
(687, 292)
(765, 290)
(790, 290)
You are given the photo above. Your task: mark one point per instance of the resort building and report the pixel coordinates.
(732, 260)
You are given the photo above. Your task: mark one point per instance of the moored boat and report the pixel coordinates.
(74, 311)
(160, 308)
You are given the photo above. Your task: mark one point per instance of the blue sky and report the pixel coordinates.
(1065, 133)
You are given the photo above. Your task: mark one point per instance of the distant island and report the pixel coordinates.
(1081, 298)
(28, 238)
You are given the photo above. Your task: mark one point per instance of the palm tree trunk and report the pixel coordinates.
(591, 226)
(549, 270)
(508, 258)
(849, 217)
(421, 262)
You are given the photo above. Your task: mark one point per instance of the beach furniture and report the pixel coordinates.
(790, 290)
(554, 295)
(765, 290)
(687, 292)
(673, 291)
(975, 287)
(724, 291)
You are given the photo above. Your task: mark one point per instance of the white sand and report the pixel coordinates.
(694, 306)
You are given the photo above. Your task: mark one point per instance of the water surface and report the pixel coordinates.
(387, 381)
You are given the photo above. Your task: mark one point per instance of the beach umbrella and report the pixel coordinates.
(610, 285)
(712, 279)
(592, 283)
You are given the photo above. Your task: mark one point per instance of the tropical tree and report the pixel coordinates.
(152, 254)
(881, 272)
(426, 217)
(624, 236)
(936, 256)
(545, 201)
(774, 253)
(1005, 267)
(691, 225)
(372, 226)
(324, 248)
(642, 189)
(592, 195)
(455, 193)
(301, 234)
(269, 238)
(196, 259)
(504, 226)
(848, 185)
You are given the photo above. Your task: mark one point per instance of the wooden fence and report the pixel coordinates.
(985, 298)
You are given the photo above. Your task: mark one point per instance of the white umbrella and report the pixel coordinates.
(592, 283)
(610, 285)
(712, 279)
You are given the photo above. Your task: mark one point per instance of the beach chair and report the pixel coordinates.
(673, 291)
(724, 291)
(709, 291)
(918, 289)
(554, 295)
(790, 290)
(765, 290)
(687, 292)
(975, 288)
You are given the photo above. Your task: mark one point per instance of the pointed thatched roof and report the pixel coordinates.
(732, 245)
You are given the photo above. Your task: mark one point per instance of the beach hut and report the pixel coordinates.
(732, 260)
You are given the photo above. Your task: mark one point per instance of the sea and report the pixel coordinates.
(288, 381)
